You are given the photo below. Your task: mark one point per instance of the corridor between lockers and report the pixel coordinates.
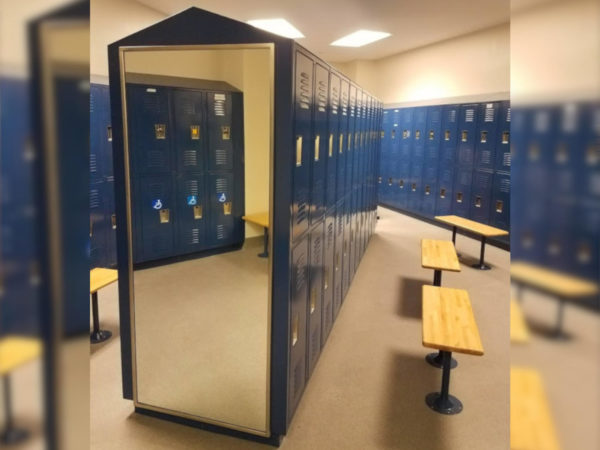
(369, 385)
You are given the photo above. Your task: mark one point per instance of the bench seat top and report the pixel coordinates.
(471, 225)
(261, 219)
(16, 351)
(519, 332)
(552, 281)
(448, 321)
(439, 255)
(100, 277)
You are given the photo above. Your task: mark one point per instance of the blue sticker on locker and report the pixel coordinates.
(222, 197)
(192, 200)
(157, 204)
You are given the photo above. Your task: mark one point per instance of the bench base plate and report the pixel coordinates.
(451, 406)
(100, 336)
(435, 359)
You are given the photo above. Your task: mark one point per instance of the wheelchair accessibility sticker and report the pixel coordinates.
(192, 200)
(157, 204)
(222, 197)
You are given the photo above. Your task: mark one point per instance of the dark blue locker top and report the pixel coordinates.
(467, 129)
(449, 137)
(302, 144)
(487, 128)
(189, 109)
(318, 157)
(503, 147)
(342, 138)
(419, 124)
(150, 128)
(332, 141)
(432, 134)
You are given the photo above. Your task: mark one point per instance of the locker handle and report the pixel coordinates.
(390, 181)
(330, 145)
(427, 190)
(109, 133)
(431, 135)
(459, 197)
(401, 184)
(379, 180)
(194, 132)
(298, 151)
(317, 146)
(349, 141)
(393, 133)
(160, 131)
(417, 134)
(584, 253)
(477, 202)
(113, 221)
(405, 134)
(295, 330)
(499, 206)
(313, 299)
(91, 227)
(505, 137)
(414, 187)
(484, 137)
(198, 212)
(341, 143)
(337, 261)
(326, 281)
(447, 135)
(464, 136)
(164, 215)
(227, 206)
(225, 133)
(442, 193)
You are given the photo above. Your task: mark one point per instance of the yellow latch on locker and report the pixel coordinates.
(298, 151)
(195, 132)
(113, 221)
(499, 206)
(431, 135)
(313, 299)
(464, 135)
(442, 193)
(227, 208)
(341, 146)
(198, 212)
(160, 131)
(295, 330)
(317, 146)
(225, 133)
(330, 145)
(164, 215)
(447, 135)
(459, 197)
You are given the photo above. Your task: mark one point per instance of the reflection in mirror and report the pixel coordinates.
(199, 144)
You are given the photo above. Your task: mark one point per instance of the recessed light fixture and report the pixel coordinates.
(280, 27)
(360, 38)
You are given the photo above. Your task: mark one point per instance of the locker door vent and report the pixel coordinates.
(151, 103)
(194, 236)
(222, 185)
(505, 185)
(452, 116)
(489, 113)
(344, 103)
(190, 158)
(94, 198)
(221, 157)
(322, 96)
(93, 163)
(156, 159)
(508, 115)
(335, 100)
(304, 94)
(506, 159)
(486, 157)
(469, 115)
(220, 231)
(219, 104)
(191, 187)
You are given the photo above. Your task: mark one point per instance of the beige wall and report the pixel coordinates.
(247, 70)
(473, 66)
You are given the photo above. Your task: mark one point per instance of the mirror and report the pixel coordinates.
(198, 131)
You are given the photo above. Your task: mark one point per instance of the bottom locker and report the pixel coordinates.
(225, 224)
(315, 299)
(481, 192)
(338, 261)
(444, 194)
(297, 334)
(346, 247)
(500, 208)
(328, 270)
(462, 192)
(191, 215)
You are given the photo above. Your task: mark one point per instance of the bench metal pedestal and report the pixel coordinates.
(442, 402)
(97, 335)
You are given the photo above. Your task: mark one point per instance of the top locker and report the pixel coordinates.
(487, 127)
(467, 128)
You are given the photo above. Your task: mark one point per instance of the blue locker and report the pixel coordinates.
(318, 159)
(419, 131)
(302, 143)
(432, 135)
(98, 231)
(98, 115)
(298, 323)
(415, 188)
(486, 140)
(350, 180)
(342, 139)
(385, 161)
(346, 245)
(467, 131)
(338, 258)
(587, 162)
(189, 112)
(430, 191)
(570, 144)
(462, 192)
(328, 274)
(315, 300)
(191, 213)
(481, 194)
(449, 137)
(503, 150)
(584, 256)
(225, 225)
(332, 142)
(401, 185)
(155, 216)
(111, 240)
(500, 204)
(149, 129)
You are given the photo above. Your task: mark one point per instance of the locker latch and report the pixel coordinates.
(225, 133)
(417, 134)
(505, 137)
(298, 151)
(405, 134)
(113, 221)
(341, 143)
(592, 155)
(459, 197)
(379, 180)
(584, 253)
(330, 145)
(337, 261)
(443, 193)
(464, 135)
(326, 276)
(295, 330)
(382, 135)
(227, 208)
(562, 155)
(317, 146)
(414, 187)
(164, 215)
(393, 133)
(447, 135)
(499, 206)
(431, 135)
(198, 212)
(427, 190)
(160, 131)
(390, 181)
(401, 184)
(349, 141)
(484, 136)
(194, 132)
(478, 202)
(109, 133)
(313, 299)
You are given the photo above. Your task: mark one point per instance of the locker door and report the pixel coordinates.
(500, 204)
(189, 111)
(415, 192)
(342, 139)
(97, 135)
(157, 214)
(98, 232)
(225, 226)
(297, 335)
(430, 189)
(318, 159)
(111, 223)
(191, 213)
(328, 273)
(503, 139)
(485, 142)
(149, 129)
(350, 142)
(401, 185)
(332, 141)
(315, 299)
(462, 192)
(481, 193)
(385, 160)
(467, 129)
(338, 258)
(449, 136)
(346, 247)
(225, 133)
(432, 138)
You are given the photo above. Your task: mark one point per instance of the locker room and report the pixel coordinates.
(285, 213)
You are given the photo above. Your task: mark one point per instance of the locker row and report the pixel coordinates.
(186, 148)
(337, 139)
(448, 159)
(556, 216)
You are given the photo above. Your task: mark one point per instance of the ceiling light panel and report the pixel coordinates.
(360, 38)
(280, 27)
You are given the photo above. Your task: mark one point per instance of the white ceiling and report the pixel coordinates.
(412, 23)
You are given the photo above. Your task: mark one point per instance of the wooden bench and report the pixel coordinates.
(99, 278)
(482, 230)
(15, 351)
(448, 326)
(519, 333)
(531, 424)
(261, 219)
(557, 284)
(438, 255)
